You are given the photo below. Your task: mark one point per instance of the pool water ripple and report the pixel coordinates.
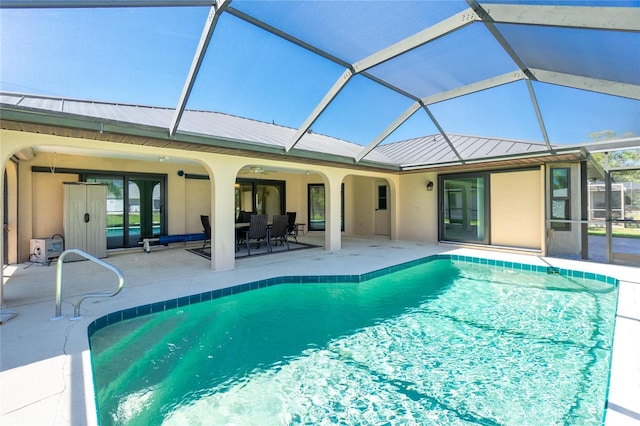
(427, 345)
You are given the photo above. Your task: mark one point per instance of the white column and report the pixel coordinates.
(333, 206)
(222, 173)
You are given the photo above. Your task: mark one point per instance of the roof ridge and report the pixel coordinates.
(460, 135)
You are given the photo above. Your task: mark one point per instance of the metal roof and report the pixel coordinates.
(427, 151)
(433, 150)
(206, 124)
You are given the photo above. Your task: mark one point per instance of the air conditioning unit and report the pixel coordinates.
(43, 250)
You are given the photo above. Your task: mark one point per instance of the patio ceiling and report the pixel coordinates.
(365, 72)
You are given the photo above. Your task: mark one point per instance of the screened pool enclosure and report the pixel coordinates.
(395, 86)
(367, 72)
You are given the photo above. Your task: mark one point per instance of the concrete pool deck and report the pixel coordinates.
(45, 366)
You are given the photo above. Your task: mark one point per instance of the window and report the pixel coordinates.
(560, 198)
(382, 197)
(260, 196)
(464, 208)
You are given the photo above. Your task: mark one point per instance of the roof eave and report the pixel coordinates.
(100, 126)
(542, 155)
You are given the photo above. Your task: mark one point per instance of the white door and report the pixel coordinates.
(382, 213)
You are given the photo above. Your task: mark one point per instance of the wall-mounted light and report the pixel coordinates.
(429, 186)
(163, 158)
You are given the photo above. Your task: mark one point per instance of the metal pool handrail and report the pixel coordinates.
(76, 308)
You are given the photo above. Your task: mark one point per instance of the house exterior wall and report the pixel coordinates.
(48, 198)
(197, 201)
(39, 204)
(360, 192)
(517, 213)
(517, 197)
(418, 219)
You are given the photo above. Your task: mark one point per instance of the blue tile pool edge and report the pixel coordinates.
(130, 313)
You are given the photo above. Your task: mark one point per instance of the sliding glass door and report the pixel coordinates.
(464, 202)
(135, 208)
(316, 207)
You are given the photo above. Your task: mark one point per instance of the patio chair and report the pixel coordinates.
(257, 231)
(279, 230)
(291, 225)
(244, 217)
(207, 231)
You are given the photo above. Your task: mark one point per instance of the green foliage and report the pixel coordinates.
(626, 158)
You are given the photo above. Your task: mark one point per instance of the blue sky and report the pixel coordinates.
(142, 56)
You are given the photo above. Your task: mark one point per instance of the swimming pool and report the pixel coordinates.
(444, 340)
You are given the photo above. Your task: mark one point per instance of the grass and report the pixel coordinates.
(116, 220)
(617, 232)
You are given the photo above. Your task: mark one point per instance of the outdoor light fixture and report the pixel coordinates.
(163, 158)
(430, 186)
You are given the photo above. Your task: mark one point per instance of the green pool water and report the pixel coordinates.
(443, 343)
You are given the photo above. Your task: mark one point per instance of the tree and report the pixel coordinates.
(624, 158)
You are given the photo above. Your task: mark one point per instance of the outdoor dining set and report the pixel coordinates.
(259, 229)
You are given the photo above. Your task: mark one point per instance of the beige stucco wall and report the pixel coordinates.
(47, 194)
(360, 192)
(418, 208)
(517, 209)
(196, 202)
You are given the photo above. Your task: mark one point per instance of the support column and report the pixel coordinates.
(223, 177)
(333, 209)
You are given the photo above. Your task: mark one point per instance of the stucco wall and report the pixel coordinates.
(360, 192)
(418, 210)
(516, 209)
(197, 201)
(48, 196)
